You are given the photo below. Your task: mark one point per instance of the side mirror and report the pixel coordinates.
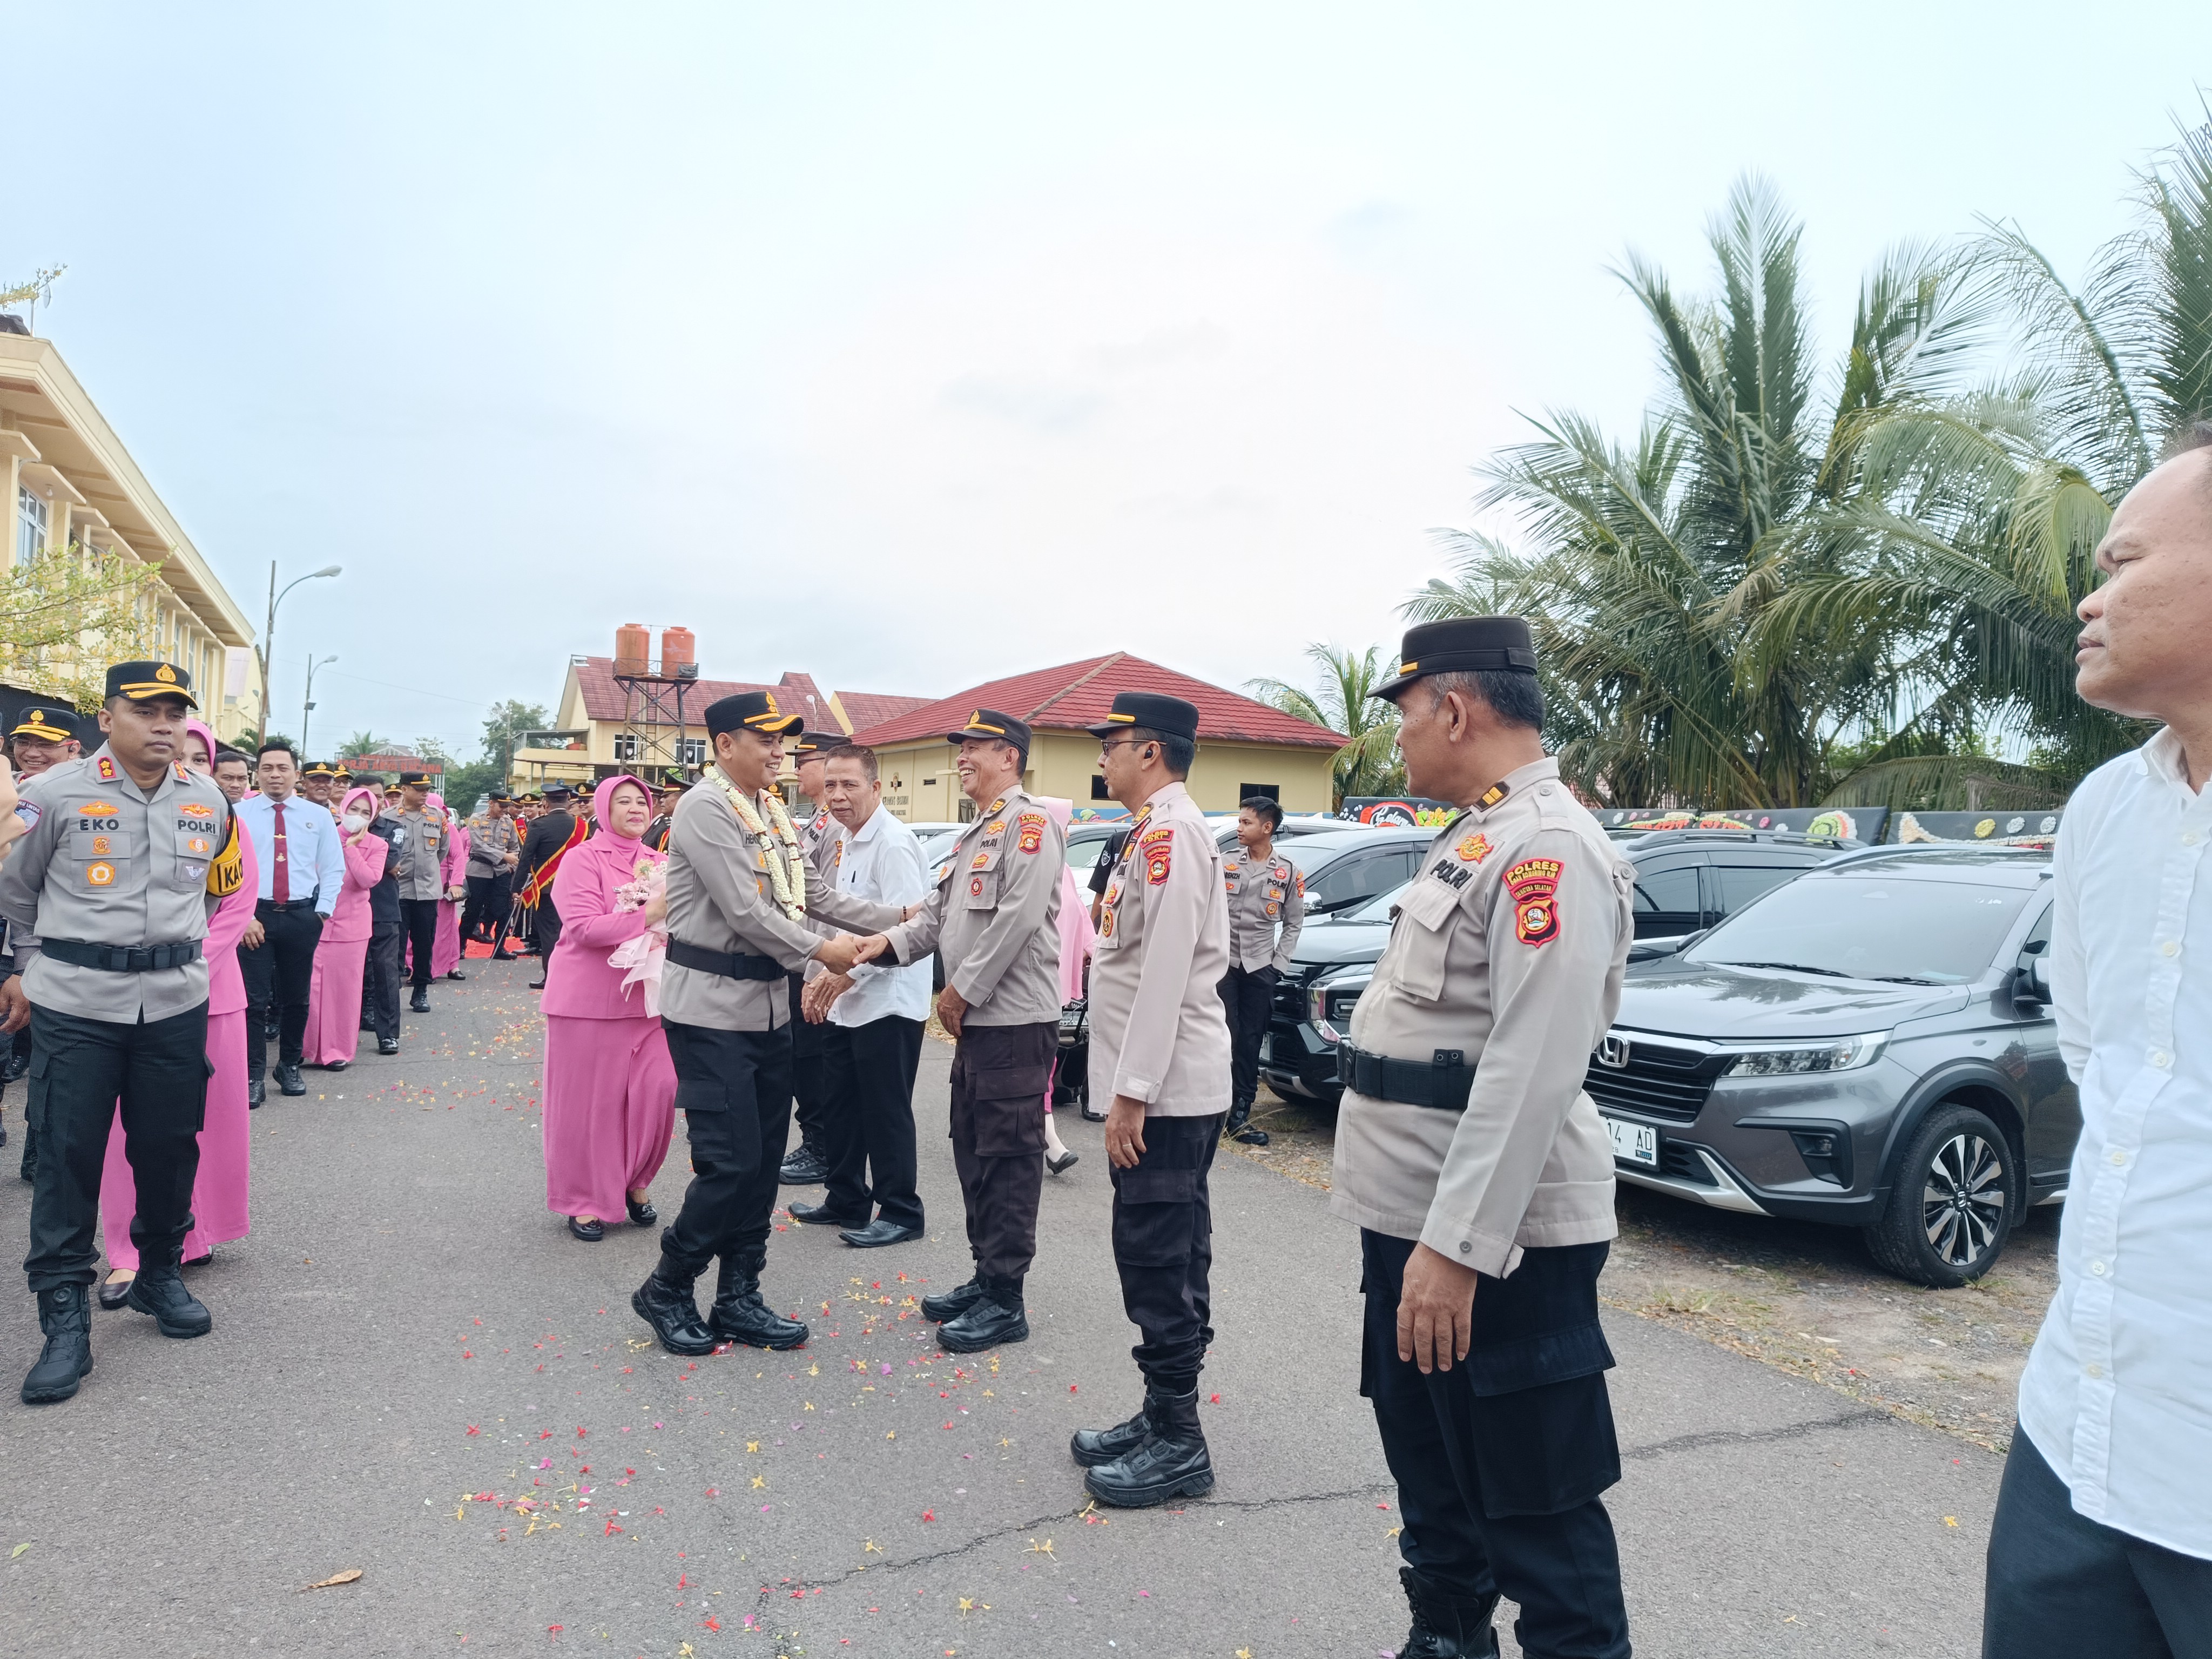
(2037, 973)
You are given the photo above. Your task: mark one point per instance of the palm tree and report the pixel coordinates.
(367, 742)
(1367, 764)
(1651, 569)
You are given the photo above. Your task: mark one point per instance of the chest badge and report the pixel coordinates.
(1472, 849)
(976, 887)
(100, 875)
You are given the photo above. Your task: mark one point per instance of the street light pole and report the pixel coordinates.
(267, 654)
(307, 703)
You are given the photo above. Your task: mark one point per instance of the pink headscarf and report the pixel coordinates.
(603, 799)
(206, 737)
(369, 796)
(1076, 933)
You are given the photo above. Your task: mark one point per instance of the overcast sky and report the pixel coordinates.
(911, 345)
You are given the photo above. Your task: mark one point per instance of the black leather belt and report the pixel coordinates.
(730, 964)
(121, 958)
(1443, 1083)
(288, 904)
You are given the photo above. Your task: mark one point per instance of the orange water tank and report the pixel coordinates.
(632, 642)
(677, 648)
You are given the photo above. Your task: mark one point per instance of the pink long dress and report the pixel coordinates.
(219, 1190)
(445, 953)
(342, 957)
(610, 1089)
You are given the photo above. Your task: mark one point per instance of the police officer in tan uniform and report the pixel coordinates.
(994, 919)
(1159, 1043)
(108, 896)
(739, 892)
(810, 1088)
(1266, 909)
(1479, 1172)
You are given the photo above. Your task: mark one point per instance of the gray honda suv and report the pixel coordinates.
(1870, 1044)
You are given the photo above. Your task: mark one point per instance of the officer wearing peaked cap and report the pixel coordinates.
(810, 1086)
(45, 737)
(1479, 1172)
(993, 921)
(1159, 1039)
(108, 894)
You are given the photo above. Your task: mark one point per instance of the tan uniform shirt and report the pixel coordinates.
(108, 863)
(1264, 894)
(720, 898)
(1158, 1026)
(818, 839)
(422, 853)
(1509, 946)
(995, 916)
(494, 844)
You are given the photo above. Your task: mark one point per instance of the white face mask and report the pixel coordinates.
(355, 822)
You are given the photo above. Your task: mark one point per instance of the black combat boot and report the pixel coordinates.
(1445, 1626)
(1169, 1462)
(994, 1317)
(1092, 1447)
(741, 1315)
(159, 1290)
(420, 1002)
(66, 1316)
(805, 1168)
(665, 1302)
(1239, 1125)
(953, 1303)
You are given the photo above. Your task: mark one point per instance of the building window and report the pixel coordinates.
(30, 526)
(1099, 788)
(694, 752)
(626, 746)
(1273, 792)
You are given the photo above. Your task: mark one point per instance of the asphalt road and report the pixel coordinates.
(408, 1342)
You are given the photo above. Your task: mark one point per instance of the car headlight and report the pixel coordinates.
(1846, 1053)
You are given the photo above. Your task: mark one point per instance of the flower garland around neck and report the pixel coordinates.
(787, 875)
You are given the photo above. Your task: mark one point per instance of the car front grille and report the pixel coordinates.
(1659, 1080)
(1289, 1001)
(1680, 1159)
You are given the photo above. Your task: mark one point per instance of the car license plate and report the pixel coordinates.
(1634, 1143)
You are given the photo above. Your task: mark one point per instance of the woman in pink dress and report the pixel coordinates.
(342, 957)
(1076, 935)
(219, 1189)
(610, 1089)
(445, 953)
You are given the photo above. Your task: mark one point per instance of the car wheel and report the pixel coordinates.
(1951, 1205)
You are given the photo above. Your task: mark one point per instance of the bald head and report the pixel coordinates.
(2141, 652)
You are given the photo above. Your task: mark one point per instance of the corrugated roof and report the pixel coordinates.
(1075, 696)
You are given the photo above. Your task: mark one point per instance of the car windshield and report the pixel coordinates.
(1903, 929)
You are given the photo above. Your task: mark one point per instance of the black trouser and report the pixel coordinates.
(380, 982)
(1164, 1248)
(2060, 1582)
(870, 1122)
(999, 1076)
(278, 973)
(80, 1069)
(1249, 997)
(490, 897)
(419, 918)
(545, 928)
(1500, 1460)
(809, 1082)
(734, 1091)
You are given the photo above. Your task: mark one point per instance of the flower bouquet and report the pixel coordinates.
(641, 959)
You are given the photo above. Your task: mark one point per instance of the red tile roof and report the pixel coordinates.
(1077, 695)
(602, 698)
(867, 708)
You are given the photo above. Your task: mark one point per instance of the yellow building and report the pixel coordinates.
(70, 480)
(1244, 747)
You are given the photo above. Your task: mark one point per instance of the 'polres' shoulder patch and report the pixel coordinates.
(1534, 886)
(1031, 831)
(1160, 853)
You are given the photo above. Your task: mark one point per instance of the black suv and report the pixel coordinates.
(1870, 1045)
(1686, 880)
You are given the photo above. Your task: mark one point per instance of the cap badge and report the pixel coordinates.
(166, 674)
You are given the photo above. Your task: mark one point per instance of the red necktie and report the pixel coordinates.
(280, 885)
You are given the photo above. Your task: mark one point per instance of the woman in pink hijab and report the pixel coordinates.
(219, 1188)
(609, 1088)
(453, 873)
(1076, 936)
(342, 957)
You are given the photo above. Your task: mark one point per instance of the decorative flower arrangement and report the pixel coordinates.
(641, 959)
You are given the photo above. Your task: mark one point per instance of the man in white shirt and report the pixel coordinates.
(2102, 1542)
(876, 1013)
(302, 869)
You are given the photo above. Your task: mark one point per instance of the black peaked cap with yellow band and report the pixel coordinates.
(992, 723)
(319, 769)
(753, 711)
(144, 681)
(1171, 717)
(417, 781)
(47, 724)
(817, 744)
(1464, 645)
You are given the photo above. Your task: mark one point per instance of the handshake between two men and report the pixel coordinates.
(847, 951)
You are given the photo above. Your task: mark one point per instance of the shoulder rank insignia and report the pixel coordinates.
(1474, 849)
(994, 806)
(177, 770)
(1032, 832)
(1491, 796)
(1535, 885)
(106, 768)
